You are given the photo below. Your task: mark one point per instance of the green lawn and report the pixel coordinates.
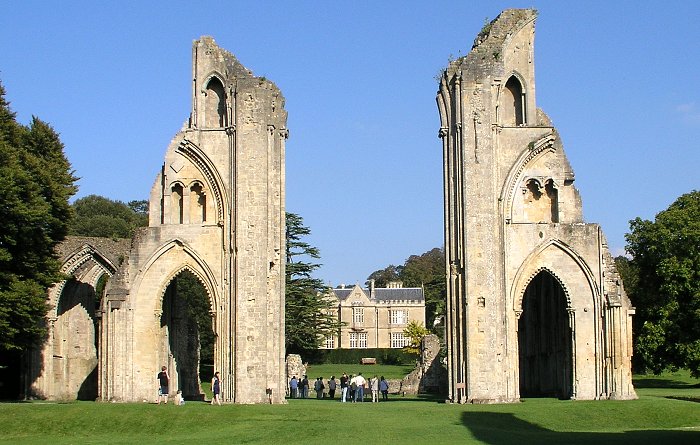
(667, 412)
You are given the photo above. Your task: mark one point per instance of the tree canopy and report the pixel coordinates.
(308, 314)
(103, 217)
(663, 282)
(426, 270)
(36, 181)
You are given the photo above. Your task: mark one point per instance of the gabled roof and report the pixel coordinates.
(383, 293)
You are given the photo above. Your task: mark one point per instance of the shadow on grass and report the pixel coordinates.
(660, 382)
(505, 428)
(430, 398)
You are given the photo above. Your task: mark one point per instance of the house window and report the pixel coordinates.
(358, 315)
(329, 343)
(358, 339)
(362, 340)
(398, 340)
(398, 316)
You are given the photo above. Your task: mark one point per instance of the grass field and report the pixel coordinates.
(667, 412)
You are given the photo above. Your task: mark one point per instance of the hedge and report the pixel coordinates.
(384, 356)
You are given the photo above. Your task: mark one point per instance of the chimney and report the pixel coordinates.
(371, 288)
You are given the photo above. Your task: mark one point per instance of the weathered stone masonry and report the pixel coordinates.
(217, 211)
(535, 305)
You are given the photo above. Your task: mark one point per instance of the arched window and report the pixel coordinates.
(541, 204)
(198, 204)
(176, 207)
(511, 108)
(215, 104)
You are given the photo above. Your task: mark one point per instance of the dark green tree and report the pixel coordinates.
(309, 315)
(666, 259)
(36, 181)
(428, 270)
(382, 277)
(103, 217)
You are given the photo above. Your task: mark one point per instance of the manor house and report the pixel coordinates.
(375, 317)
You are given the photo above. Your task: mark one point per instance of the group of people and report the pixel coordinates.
(164, 388)
(352, 388)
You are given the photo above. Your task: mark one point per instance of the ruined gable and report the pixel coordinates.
(524, 266)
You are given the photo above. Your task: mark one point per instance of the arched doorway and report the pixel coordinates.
(76, 334)
(544, 340)
(188, 346)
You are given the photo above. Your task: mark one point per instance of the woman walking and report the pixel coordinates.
(216, 388)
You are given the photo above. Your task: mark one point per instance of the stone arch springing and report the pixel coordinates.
(512, 103)
(215, 115)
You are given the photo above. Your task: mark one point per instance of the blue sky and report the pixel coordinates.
(619, 79)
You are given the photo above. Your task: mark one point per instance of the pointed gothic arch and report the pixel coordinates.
(215, 113)
(512, 102)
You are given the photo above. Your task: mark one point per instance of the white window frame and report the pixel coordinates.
(358, 315)
(398, 340)
(362, 340)
(398, 316)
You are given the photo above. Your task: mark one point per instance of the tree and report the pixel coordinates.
(36, 182)
(382, 277)
(415, 332)
(103, 217)
(426, 271)
(666, 260)
(309, 315)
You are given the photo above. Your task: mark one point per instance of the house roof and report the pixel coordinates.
(381, 294)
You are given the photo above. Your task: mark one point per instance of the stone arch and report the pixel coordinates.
(512, 102)
(198, 203)
(72, 351)
(73, 263)
(529, 155)
(545, 352)
(190, 260)
(215, 113)
(540, 201)
(533, 264)
(209, 172)
(187, 328)
(177, 202)
(582, 296)
(146, 303)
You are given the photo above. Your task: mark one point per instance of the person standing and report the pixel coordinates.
(331, 387)
(319, 387)
(293, 385)
(344, 387)
(384, 388)
(374, 386)
(216, 388)
(164, 381)
(352, 387)
(305, 387)
(360, 391)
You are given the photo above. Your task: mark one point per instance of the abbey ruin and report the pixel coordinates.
(535, 306)
(216, 212)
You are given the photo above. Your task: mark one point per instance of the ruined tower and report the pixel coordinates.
(216, 213)
(535, 306)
